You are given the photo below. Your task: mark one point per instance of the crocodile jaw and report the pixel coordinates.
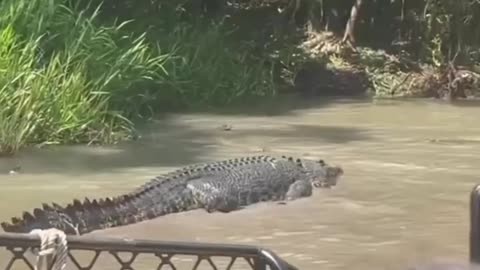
(332, 175)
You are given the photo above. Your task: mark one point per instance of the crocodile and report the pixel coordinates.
(219, 186)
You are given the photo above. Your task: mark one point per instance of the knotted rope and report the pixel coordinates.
(54, 247)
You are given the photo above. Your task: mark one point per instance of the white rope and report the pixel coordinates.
(53, 247)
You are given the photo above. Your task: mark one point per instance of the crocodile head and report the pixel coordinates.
(321, 174)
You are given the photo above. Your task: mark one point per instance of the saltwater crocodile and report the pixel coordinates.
(222, 186)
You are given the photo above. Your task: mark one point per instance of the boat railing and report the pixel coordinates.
(165, 253)
(202, 255)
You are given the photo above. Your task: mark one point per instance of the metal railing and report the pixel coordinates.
(256, 258)
(475, 224)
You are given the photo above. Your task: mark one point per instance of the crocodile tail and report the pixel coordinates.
(76, 218)
(49, 216)
(170, 197)
(83, 217)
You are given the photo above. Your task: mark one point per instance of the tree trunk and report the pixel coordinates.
(349, 34)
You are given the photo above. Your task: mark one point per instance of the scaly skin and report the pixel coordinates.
(222, 186)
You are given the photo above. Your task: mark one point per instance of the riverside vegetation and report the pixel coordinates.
(85, 71)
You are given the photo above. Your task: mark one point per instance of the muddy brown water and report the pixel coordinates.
(409, 167)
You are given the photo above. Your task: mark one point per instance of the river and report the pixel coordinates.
(409, 167)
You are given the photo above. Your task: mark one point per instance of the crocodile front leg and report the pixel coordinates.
(299, 189)
(213, 198)
(221, 203)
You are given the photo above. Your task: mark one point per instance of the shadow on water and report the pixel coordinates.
(284, 104)
(165, 144)
(462, 103)
(308, 133)
(178, 140)
(466, 103)
(174, 140)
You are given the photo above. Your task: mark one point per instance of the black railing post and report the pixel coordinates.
(259, 263)
(275, 262)
(475, 225)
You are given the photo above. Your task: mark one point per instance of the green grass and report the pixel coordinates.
(66, 78)
(58, 80)
(208, 69)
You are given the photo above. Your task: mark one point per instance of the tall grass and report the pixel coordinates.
(208, 68)
(66, 78)
(59, 73)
